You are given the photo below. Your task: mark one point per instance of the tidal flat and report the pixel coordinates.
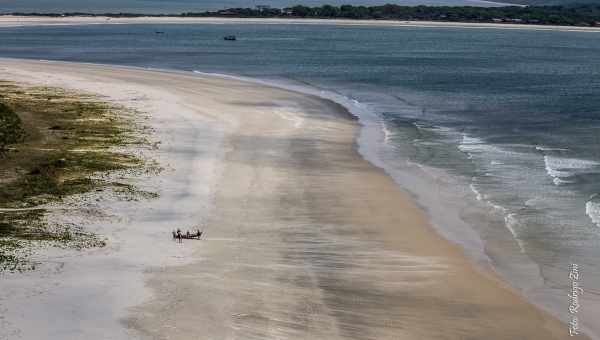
(56, 143)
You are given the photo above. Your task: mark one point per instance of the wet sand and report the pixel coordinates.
(304, 239)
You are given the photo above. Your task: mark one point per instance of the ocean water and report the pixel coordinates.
(180, 6)
(495, 132)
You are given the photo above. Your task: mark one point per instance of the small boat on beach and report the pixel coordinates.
(187, 236)
(230, 37)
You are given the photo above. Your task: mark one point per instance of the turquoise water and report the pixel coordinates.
(496, 132)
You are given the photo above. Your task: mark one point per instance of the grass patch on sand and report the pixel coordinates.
(53, 144)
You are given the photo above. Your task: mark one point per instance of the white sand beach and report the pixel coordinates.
(304, 239)
(14, 21)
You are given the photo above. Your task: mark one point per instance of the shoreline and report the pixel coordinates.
(431, 189)
(19, 21)
(278, 114)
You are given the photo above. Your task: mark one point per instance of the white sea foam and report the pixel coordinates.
(470, 144)
(420, 125)
(497, 207)
(387, 134)
(483, 197)
(561, 168)
(592, 209)
(438, 129)
(468, 140)
(511, 222)
(558, 181)
(478, 195)
(473, 145)
(545, 148)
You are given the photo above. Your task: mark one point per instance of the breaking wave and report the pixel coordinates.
(560, 169)
(592, 209)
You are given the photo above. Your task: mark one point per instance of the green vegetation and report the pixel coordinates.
(582, 15)
(55, 144)
(11, 130)
(569, 15)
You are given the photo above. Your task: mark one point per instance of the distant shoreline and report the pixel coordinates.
(16, 21)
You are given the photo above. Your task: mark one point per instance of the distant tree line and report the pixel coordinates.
(573, 15)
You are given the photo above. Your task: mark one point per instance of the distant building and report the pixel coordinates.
(263, 7)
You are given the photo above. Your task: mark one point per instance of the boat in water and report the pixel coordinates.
(230, 37)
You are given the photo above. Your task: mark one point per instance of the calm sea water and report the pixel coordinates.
(496, 132)
(179, 6)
